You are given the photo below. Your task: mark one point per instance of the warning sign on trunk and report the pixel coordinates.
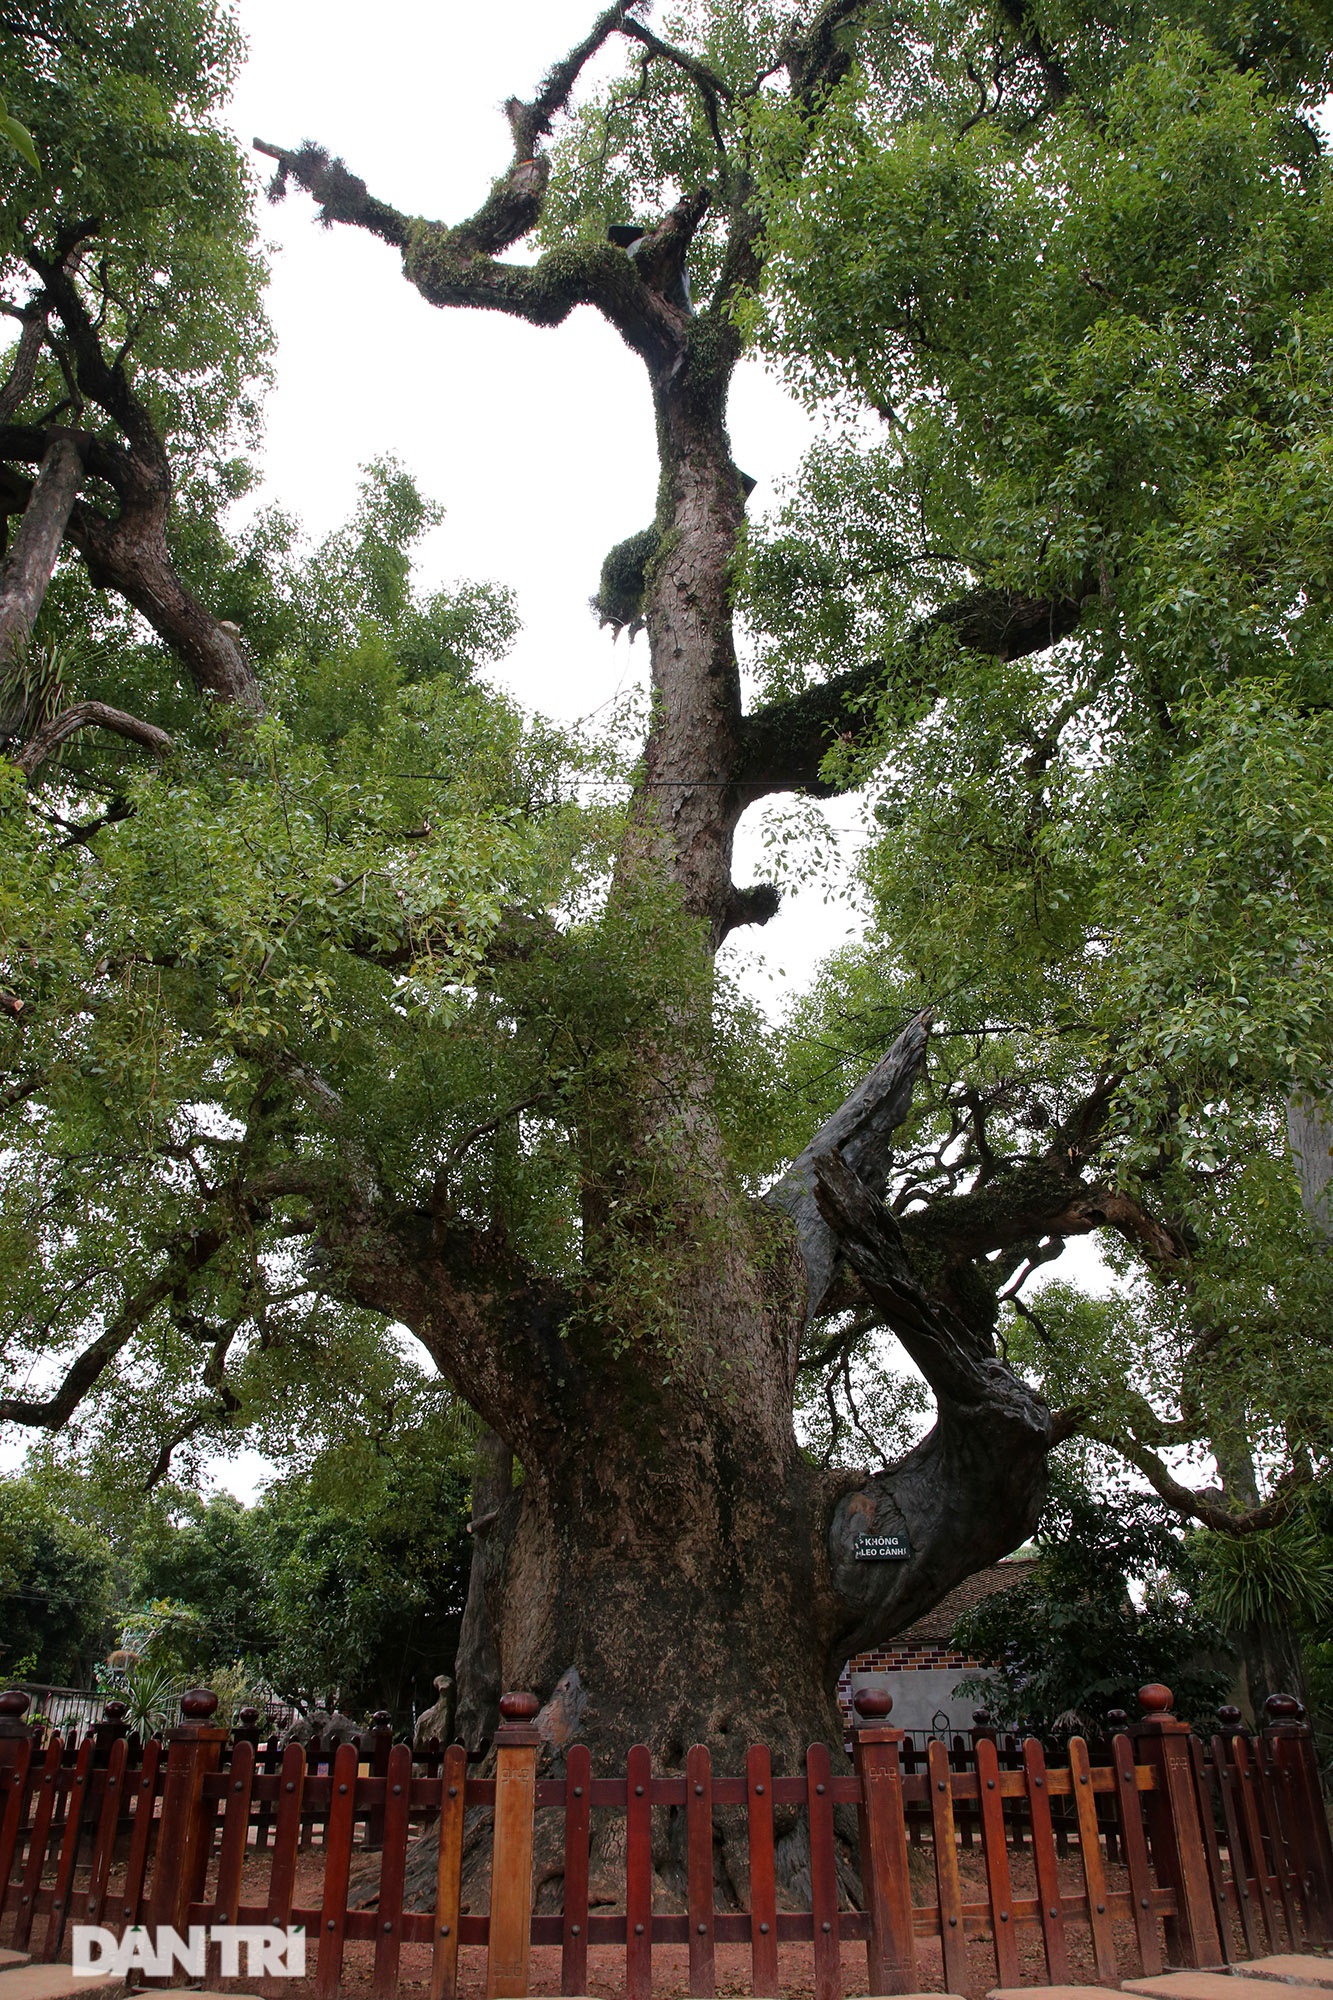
(882, 1548)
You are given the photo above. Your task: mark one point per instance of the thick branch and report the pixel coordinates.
(970, 1493)
(971, 1490)
(1054, 74)
(938, 1342)
(1033, 1199)
(30, 443)
(783, 745)
(531, 122)
(96, 1358)
(710, 86)
(27, 568)
(860, 1131)
(452, 267)
(341, 195)
(89, 715)
(130, 553)
(816, 59)
(488, 1320)
(210, 1413)
(1191, 1506)
(462, 266)
(23, 370)
(23, 1087)
(103, 382)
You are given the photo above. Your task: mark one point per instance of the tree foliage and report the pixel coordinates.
(1070, 1642)
(56, 1582)
(1080, 274)
(345, 1584)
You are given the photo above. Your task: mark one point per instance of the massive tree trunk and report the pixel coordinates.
(670, 1543)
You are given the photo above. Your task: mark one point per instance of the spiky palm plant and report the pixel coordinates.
(33, 690)
(152, 1694)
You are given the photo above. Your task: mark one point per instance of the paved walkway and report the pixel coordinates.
(1302, 1974)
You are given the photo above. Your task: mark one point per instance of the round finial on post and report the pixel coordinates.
(199, 1704)
(1116, 1720)
(1282, 1708)
(1229, 1716)
(381, 1719)
(116, 1711)
(872, 1704)
(518, 1707)
(248, 1717)
(1156, 1699)
(14, 1702)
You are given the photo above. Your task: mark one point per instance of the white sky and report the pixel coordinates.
(539, 441)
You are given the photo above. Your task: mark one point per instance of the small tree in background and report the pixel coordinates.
(55, 1589)
(1070, 1642)
(1273, 1593)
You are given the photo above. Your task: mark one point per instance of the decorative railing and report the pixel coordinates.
(1169, 1850)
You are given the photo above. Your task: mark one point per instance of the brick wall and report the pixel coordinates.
(899, 1659)
(903, 1659)
(924, 1645)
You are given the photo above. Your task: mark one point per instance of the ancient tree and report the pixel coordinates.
(355, 973)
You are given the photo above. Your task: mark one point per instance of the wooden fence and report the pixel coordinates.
(1174, 1850)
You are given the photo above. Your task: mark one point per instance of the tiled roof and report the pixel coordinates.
(936, 1627)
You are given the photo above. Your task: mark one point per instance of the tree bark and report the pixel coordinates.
(89, 715)
(130, 554)
(27, 568)
(688, 797)
(477, 1674)
(670, 1542)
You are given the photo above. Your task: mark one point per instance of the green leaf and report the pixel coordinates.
(20, 139)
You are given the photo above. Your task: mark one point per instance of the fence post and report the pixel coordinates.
(245, 1729)
(375, 1745)
(185, 1829)
(109, 1731)
(1176, 1837)
(17, 1749)
(877, 1750)
(516, 1744)
(13, 1729)
(1292, 1744)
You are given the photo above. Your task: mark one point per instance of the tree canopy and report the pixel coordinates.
(1083, 287)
